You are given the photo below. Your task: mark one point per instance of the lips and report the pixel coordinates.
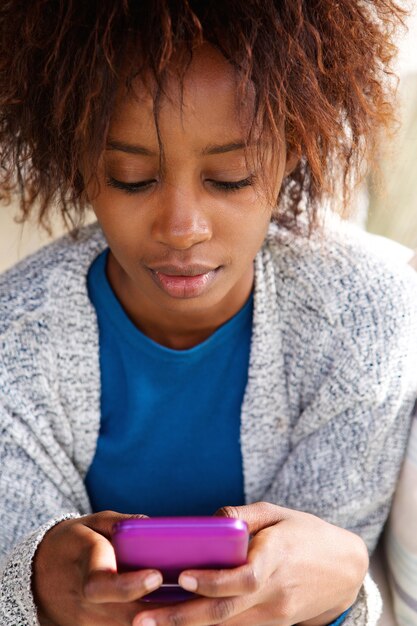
(195, 269)
(184, 281)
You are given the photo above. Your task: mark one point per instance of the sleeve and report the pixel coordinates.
(354, 400)
(368, 606)
(32, 500)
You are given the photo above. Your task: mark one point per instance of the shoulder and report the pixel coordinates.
(347, 309)
(44, 280)
(342, 272)
(48, 334)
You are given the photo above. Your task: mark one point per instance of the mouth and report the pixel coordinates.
(184, 281)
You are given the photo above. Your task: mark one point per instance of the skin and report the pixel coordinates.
(300, 569)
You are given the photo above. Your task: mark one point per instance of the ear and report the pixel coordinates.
(291, 163)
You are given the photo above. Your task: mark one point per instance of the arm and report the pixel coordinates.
(30, 504)
(348, 442)
(54, 555)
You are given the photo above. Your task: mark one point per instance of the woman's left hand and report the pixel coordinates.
(300, 569)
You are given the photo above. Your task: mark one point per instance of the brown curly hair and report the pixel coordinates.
(322, 65)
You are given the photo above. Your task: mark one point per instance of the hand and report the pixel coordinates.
(75, 580)
(300, 569)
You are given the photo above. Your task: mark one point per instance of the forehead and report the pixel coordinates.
(205, 102)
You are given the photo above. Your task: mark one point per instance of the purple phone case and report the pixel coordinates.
(174, 544)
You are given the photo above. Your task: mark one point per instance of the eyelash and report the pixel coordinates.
(132, 188)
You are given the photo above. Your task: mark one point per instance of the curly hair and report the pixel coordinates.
(324, 66)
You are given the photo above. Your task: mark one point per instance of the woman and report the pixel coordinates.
(201, 348)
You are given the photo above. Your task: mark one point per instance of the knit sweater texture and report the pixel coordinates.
(325, 415)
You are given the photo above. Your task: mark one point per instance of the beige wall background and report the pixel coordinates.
(19, 240)
(393, 211)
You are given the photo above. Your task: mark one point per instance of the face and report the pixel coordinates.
(182, 236)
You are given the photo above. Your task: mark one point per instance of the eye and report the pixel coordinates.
(135, 187)
(224, 185)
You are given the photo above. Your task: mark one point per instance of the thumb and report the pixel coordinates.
(257, 516)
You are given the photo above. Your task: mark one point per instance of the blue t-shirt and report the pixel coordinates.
(169, 441)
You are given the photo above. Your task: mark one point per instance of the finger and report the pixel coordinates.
(102, 583)
(204, 612)
(114, 613)
(246, 579)
(106, 586)
(222, 583)
(104, 521)
(257, 516)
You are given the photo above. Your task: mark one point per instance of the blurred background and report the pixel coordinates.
(391, 212)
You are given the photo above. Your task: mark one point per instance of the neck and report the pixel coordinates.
(175, 338)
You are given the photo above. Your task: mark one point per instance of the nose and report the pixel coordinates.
(180, 221)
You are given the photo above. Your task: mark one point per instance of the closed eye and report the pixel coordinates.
(142, 185)
(233, 185)
(136, 187)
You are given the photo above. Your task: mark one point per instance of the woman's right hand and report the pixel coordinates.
(75, 579)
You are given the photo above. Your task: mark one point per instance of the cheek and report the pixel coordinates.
(118, 215)
(247, 234)
(120, 233)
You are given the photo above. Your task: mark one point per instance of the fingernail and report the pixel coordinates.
(151, 582)
(188, 582)
(148, 621)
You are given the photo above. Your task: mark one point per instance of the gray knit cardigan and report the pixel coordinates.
(325, 415)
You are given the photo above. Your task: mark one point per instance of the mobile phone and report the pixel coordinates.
(174, 544)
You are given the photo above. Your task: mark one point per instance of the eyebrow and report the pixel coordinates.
(141, 150)
(130, 148)
(221, 149)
